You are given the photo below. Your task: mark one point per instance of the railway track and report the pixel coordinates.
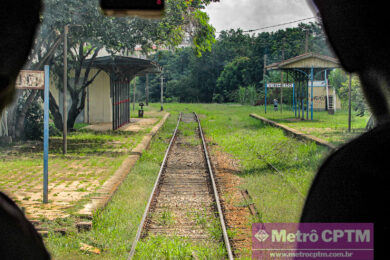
(184, 199)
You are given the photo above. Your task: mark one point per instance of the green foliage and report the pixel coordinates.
(340, 81)
(236, 73)
(90, 32)
(247, 95)
(173, 247)
(204, 34)
(33, 123)
(252, 94)
(358, 101)
(242, 95)
(336, 79)
(235, 59)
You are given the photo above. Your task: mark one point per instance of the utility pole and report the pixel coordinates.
(307, 42)
(162, 92)
(265, 83)
(349, 102)
(134, 90)
(147, 90)
(281, 79)
(88, 104)
(65, 111)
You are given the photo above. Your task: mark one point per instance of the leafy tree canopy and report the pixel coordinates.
(235, 60)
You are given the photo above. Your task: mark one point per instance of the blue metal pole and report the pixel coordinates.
(307, 102)
(302, 99)
(294, 108)
(311, 78)
(327, 94)
(265, 99)
(46, 136)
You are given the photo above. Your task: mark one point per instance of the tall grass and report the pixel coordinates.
(114, 228)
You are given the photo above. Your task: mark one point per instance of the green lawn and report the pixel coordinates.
(114, 228)
(331, 128)
(278, 196)
(91, 159)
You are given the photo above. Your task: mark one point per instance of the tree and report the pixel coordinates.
(336, 79)
(43, 52)
(90, 32)
(340, 81)
(236, 73)
(235, 59)
(358, 101)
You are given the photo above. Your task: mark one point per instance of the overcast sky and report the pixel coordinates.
(253, 14)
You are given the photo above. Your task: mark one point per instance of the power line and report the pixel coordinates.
(277, 25)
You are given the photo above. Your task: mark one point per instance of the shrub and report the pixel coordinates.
(33, 124)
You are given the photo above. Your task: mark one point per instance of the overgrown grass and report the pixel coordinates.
(91, 159)
(332, 128)
(229, 129)
(174, 247)
(163, 247)
(114, 228)
(279, 196)
(187, 130)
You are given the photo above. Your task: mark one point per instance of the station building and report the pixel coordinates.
(108, 96)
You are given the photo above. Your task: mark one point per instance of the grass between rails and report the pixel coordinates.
(173, 247)
(162, 247)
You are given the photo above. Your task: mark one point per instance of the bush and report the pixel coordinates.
(242, 95)
(218, 98)
(33, 124)
(252, 95)
(172, 100)
(247, 95)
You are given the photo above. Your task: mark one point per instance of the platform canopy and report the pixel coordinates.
(125, 67)
(306, 61)
(122, 70)
(305, 69)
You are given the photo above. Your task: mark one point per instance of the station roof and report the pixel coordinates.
(306, 61)
(128, 67)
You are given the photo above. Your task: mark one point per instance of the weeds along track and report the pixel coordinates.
(184, 201)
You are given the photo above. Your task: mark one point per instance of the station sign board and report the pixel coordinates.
(30, 79)
(317, 83)
(278, 85)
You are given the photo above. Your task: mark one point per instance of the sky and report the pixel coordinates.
(253, 14)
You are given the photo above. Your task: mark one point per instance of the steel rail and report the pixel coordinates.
(141, 225)
(216, 195)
